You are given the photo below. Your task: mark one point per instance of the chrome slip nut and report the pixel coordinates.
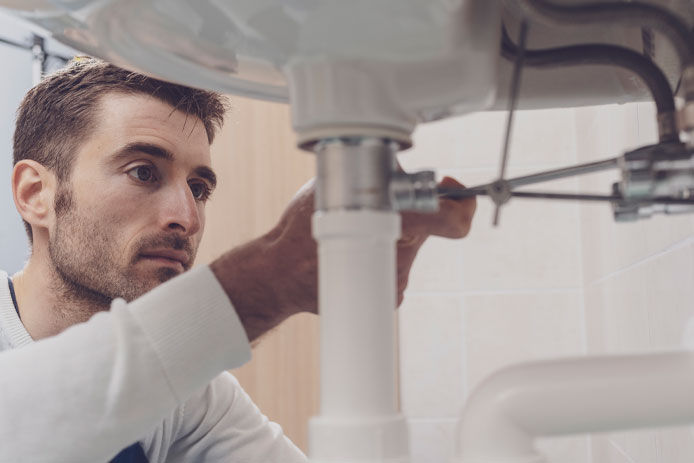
(414, 192)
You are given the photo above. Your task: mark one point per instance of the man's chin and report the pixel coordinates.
(144, 282)
(166, 273)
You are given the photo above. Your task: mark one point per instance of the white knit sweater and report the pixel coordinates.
(147, 372)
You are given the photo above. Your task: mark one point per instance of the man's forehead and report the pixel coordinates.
(137, 108)
(126, 118)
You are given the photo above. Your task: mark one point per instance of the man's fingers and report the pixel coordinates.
(454, 218)
(450, 182)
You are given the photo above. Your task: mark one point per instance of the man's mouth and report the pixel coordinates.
(167, 257)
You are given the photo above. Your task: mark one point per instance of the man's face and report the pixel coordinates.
(132, 214)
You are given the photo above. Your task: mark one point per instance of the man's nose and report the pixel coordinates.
(180, 211)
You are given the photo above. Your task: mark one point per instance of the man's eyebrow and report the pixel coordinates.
(157, 151)
(207, 174)
(147, 148)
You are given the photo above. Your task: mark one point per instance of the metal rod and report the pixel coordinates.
(563, 172)
(30, 47)
(15, 44)
(669, 200)
(564, 196)
(555, 174)
(38, 61)
(462, 193)
(513, 102)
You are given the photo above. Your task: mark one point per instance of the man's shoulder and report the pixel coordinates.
(221, 391)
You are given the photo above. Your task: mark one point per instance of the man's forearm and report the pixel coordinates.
(249, 276)
(112, 379)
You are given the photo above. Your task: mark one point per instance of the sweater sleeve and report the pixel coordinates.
(99, 386)
(221, 424)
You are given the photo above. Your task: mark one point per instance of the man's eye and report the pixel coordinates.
(200, 190)
(143, 173)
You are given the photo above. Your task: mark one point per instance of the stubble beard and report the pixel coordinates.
(88, 270)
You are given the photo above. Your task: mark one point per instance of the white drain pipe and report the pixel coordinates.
(357, 230)
(516, 405)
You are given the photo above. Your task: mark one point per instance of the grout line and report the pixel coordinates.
(495, 292)
(462, 326)
(671, 248)
(433, 419)
(620, 450)
(579, 250)
(582, 296)
(464, 375)
(581, 278)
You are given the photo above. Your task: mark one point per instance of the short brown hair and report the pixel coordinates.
(59, 112)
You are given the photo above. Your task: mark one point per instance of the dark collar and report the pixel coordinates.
(14, 298)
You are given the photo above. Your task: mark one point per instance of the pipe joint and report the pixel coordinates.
(354, 173)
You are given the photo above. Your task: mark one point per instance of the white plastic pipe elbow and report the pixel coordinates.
(514, 406)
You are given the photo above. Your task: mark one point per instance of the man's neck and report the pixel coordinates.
(45, 308)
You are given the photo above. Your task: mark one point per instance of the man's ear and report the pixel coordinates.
(33, 189)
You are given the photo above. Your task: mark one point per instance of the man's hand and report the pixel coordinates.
(276, 275)
(453, 220)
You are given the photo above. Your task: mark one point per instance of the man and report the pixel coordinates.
(112, 172)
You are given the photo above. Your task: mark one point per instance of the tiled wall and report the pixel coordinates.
(638, 280)
(554, 279)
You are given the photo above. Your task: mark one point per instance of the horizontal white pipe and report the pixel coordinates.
(595, 394)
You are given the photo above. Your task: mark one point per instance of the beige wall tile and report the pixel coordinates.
(545, 136)
(439, 266)
(606, 449)
(596, 306)
(663, 232)
(503, 329)
(476, 140)
(601, 452)
(676, 445)
(571, 449)
(606, 131)
(643, 308)
(536, 245)
(624, 313)
(432, 441)
(431, 355)
(638, 445)
(646, 122)
(666, 445)
(609, 246)
(468, 141)
(529, 286)
(671, 302)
